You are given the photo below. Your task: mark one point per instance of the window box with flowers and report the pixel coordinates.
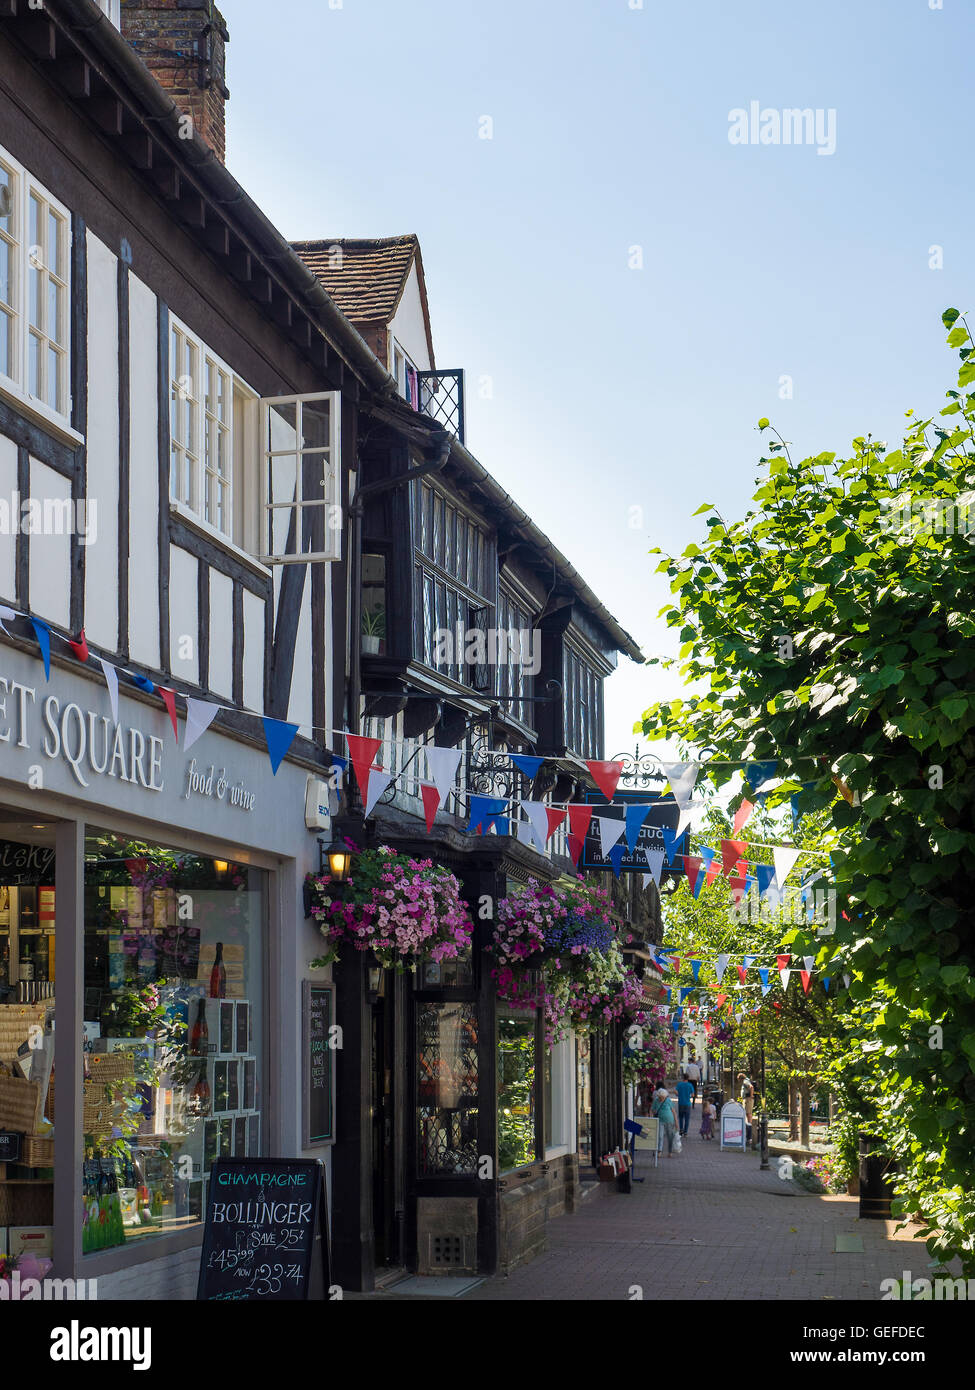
(402, 909)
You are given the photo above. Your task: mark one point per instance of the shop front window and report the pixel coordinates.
(447, 1116)
(516, 1088)
(173, 1003)
(584, 1097)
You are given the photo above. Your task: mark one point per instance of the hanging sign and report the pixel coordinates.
(318, 1063)
(629, 854)
(266, 1232)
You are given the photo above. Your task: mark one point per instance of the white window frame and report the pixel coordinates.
(30, 258)
(332, 500)
(113, 10)
(193, 480)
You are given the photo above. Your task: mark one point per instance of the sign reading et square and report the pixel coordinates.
(663, 815)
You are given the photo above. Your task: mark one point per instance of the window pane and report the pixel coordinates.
(173, 1016)
(6, 338)
(447, 1079)
(54, 256)
(516, 1090)
(52, 379)
(34, 366)
(36, 298)
(174, 472)
(314, 424)
(6, 288)
(34, 232)
(7, 200)
(282, 427)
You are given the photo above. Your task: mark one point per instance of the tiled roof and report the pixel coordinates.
(367, 281)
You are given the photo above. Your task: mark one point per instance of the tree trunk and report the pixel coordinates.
(804, 1113)
(793, 1111)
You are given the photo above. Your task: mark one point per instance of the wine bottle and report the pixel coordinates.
(199, 1034)
(218, 975)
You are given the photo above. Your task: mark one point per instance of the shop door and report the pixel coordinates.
(382, 1132)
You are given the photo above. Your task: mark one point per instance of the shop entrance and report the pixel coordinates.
(383, 1204)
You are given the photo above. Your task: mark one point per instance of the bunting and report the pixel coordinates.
(606, 775)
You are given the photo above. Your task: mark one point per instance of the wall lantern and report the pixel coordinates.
(220, 867)
(337, 859)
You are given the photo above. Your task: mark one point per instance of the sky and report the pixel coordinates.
(636, 287)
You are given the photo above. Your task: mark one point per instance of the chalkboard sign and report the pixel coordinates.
(318, 1065)
(10, 1147)
(266, 1233)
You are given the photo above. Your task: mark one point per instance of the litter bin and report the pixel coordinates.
(876, 1171)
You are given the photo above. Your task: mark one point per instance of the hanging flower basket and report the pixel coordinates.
(399, 908)
(648, 1063)
(557, 948)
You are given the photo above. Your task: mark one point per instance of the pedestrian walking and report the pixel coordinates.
(708, 1116)
(747, 1099)
(693, 1073)
(663, 1108)
(685, 1097)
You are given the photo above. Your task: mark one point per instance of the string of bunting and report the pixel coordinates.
(484, 812)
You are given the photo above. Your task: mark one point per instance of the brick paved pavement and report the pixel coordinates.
(711, 1225)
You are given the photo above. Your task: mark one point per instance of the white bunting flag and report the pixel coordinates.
(809, 962)
(846, 981)
(655, 856)
(784, 858)
(784, 977)
(378, 782)
(720, 966)
(443, 764)
(681, 777)
(610, 833)
(5, 615)
(538, 830)
(200, 714)
(526, 833)
(111, 680)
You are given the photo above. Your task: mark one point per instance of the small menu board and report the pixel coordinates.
(266, 1232)
(318, 1014)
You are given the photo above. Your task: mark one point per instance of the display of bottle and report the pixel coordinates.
(200, 1098)
(199, 1034)
(218, 975)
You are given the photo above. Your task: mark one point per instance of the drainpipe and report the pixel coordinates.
(355, 513)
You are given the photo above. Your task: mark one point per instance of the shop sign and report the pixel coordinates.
(663, 815)
(213, 783)
(25, 863)
(88, 742)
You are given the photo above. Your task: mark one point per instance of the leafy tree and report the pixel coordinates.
(833, 629)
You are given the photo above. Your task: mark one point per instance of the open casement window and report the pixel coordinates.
(300, 485)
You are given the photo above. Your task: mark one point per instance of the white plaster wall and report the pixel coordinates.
(300, 705)
(253, 651)
(50, 551)
(407, 323)
(221, 634)
(8, 538)
(101, 559)
(184, 607)
(143, 476)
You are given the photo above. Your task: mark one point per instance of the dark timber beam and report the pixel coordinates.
(107, 113)
(138, 146)
(192, 211)
(218, 237)
(40, 38)
(168, 182)
(241, 266)
(76, 77)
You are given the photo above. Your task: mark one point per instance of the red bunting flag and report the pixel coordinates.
(169, 700)
(579, 818)
(742, 973)
(782, 961)
(692, 867)
(80, 648)
(720, 1000)
(677, 964)
(431, 803)
(805, 976)
(713, 872)
(605, 775)
(362, 750)
(576, 846)
(742, 814)
(737, 887)
(731, 852)
(555, 819)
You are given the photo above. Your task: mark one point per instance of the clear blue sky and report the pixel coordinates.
(617, 388)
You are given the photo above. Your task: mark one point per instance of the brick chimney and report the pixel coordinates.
(183, 44)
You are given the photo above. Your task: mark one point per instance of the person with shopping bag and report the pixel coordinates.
(663, 1108)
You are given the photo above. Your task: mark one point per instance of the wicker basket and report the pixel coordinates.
(38, 1151)
(27, 1204)
(16, 1021)
(106, 1067)
(20, 1105)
